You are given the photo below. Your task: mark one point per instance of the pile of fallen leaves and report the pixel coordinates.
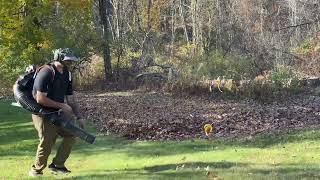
(158, 116)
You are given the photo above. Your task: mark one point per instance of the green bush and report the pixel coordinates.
(281, 83)
(304, 48)
(285, 78)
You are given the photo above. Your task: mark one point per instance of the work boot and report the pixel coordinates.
(62, 170)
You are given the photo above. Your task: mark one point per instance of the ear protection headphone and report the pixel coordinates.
(58, 55)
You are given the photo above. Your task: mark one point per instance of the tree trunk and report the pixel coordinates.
(194, 19)
(148, 13)
(105, 12)
(183, 18)
(173, 21)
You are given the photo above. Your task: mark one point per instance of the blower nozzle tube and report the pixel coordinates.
(27, 102)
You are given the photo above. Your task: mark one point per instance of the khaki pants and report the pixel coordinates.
(48, 134)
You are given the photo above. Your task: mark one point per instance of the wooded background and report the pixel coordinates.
(193, 40)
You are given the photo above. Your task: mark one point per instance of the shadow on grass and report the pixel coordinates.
(102, 145)
(143, 175)
(143, 149)
(194, 165)
(290, 172)
(17, 134)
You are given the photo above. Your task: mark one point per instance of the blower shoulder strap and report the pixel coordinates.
(45, 66)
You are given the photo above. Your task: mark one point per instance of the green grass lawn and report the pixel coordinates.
(290, 156)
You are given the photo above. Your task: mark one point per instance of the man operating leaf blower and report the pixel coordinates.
(43, 91)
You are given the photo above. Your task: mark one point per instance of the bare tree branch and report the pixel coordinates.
(298, 25)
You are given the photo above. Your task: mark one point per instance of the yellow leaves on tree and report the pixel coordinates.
(152, 13)
(78, 4)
